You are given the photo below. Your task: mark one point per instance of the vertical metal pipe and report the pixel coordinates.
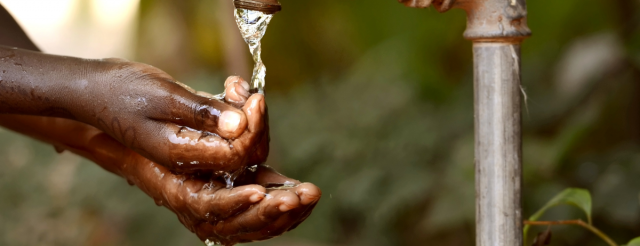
(498, 151)
(496, 27)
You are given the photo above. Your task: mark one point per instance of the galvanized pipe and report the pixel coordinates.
(497, 28)
(498, 152)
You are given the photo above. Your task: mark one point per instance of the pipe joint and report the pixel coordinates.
(487, 20)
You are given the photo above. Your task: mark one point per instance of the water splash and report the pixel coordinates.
(211, 242)
(253, 168)
(253, 25)
(289, 184)
(230, 178)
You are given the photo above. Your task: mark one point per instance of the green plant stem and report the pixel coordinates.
(575, 222)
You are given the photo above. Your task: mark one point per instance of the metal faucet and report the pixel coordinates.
(266, 6)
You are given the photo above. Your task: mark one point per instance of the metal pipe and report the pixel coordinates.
(498, 151)
(267, 6)
(497, 28)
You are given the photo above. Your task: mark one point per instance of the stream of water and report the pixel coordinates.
(253, 25)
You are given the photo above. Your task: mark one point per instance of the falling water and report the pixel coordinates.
(253, 24)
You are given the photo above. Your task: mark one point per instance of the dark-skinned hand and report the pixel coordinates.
(141, 107)
(248, 212)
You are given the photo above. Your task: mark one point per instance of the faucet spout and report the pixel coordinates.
(266, 6)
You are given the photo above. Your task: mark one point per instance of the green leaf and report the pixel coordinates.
(580, 198)
(634, 242)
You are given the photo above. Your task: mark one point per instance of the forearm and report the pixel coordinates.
(34, 83)
(153, 179)
(74, 136)
(93, 144)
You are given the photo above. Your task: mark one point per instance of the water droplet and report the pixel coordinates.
(253, 168)
(230, 178)
(209, 242)
(289, 184)
(209, 186)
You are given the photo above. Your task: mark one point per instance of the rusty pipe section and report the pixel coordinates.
(266, 6)
(495, 20)
(497, 28)
(487, 20)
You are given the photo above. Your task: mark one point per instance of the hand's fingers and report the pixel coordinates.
(236, 91)
(288, 221)
(274, 205)
(183, 107)
(269, 177)
(261, 152)
(308, 193)
(254, 109)
(215, 116)
(193, 199)
(192, 150)
(220, 203)
(186, 149)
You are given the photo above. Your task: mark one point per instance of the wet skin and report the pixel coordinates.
(139, 123)
(248, 212)
(139, 105)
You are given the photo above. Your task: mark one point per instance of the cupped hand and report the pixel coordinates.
(173, 125)
(246, 213)
(140, 106)
(256, 209)
(287, 204)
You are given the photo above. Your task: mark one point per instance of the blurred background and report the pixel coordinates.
(368, 99)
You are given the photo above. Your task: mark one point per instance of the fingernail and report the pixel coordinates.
(231, 79)
(240, 90)
(256, 197)
(229, 121)
(245, 85)
(263, 105)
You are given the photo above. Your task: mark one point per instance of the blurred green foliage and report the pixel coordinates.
(372, 101)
